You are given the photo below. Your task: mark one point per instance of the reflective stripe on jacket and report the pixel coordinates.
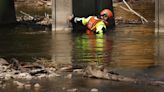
(92, 23)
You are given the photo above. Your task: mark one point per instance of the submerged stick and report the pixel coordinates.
(142, 18)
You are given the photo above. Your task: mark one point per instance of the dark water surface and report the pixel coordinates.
(130, 50)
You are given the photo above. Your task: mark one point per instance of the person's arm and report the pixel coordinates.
(79, 20)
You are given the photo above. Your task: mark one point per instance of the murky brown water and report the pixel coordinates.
(129, 50)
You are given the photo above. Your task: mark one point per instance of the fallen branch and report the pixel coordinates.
(142, 18)
(125, 9)
(31, 17)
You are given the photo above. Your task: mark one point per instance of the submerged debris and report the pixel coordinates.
(37, 85)
(94, 90)
(72, 90)
(25, 85)
(7, 72)
(16, 70)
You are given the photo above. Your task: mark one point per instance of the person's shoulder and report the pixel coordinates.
(89, 17)
(93, 17)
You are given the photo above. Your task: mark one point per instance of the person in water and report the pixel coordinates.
(94, 24)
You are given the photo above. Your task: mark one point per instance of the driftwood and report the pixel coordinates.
(32, 66)
(38, 71)
(31, 17)
(25, 70)
(131, 10)
(27, 19)
(102, 73)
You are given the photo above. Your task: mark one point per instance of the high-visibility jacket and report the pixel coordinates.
(93, 23)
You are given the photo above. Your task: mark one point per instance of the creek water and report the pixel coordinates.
(130, 50)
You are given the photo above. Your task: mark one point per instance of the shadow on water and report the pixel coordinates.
(24, 43)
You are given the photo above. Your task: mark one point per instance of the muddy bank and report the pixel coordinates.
(124, 16)
(20, 74)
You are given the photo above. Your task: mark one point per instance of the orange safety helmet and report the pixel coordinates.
(107, 12)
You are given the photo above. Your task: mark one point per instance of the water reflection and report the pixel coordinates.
(62, 47)
(126, 46)
(128, 50)
(134, 47)
(129, 46)
(89, 48)
(24, 44)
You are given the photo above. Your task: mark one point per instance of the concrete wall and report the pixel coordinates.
(7, 12)
(161, 17)
(159, 5)
(161, 29)
(61, 9)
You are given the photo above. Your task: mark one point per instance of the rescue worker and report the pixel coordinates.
(94, 24)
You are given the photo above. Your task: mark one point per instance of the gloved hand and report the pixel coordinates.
(71, 18)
